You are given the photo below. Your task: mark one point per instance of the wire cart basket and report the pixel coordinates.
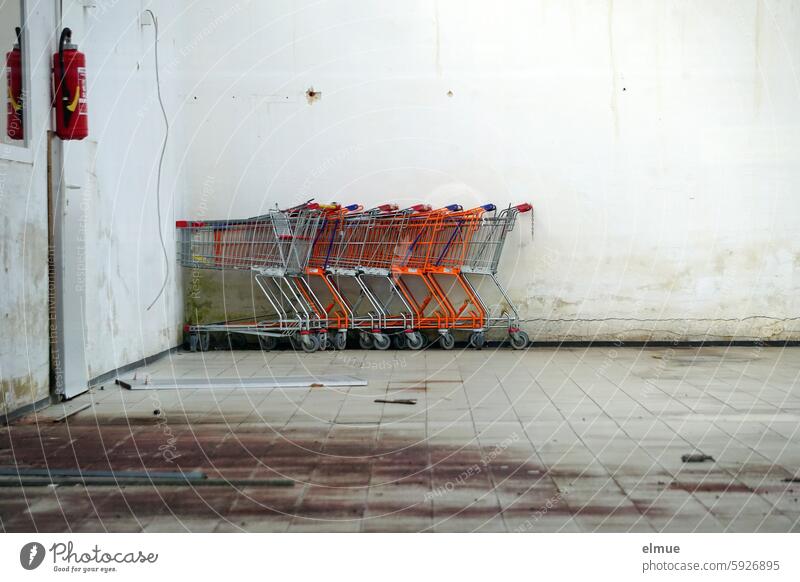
(385, 273)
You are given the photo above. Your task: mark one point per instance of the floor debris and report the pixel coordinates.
(43, 477)
(6, 482)
(397, 400)
(696, 458)
(58, 472)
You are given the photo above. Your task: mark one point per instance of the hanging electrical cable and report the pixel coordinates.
(160, 164)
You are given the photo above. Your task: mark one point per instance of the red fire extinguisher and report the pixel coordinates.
(69, 89)
(14, 127)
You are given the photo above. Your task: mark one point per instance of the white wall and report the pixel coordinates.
(111, 175)
(658, 140)
(24, 356)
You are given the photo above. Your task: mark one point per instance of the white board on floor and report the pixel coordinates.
(332, 381)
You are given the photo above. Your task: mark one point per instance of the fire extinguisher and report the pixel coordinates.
(69, 89)
(14, 127)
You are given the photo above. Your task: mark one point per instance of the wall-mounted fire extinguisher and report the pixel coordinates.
(69, 89)
(14, 127)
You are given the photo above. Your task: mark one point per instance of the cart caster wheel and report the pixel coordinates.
(294, 339)
(477, 340)
(519, 340)
(365, 341)
(324, 341)
(340, 341)
(447, 341)
(267, 342)
(235, 341)
(415, 341)
(381, 341)
(310, 343)
(399, 341)
(200, 342)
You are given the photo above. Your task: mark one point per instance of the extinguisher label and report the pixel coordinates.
(82, 91)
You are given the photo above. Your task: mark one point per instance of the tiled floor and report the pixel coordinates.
(542, 440)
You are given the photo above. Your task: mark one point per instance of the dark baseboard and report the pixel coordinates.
(6, 419)
(284, 346)
(666, 344)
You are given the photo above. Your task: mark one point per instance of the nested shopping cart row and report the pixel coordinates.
(405, 276)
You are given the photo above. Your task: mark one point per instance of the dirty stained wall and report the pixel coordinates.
(658, 140)
(114, 256)
(112, 176)
(24, 356)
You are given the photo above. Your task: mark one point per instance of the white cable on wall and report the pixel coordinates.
(160, 164)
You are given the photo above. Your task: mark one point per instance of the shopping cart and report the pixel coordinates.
(319, 282)
(353, 256)
(386, 273)
(275, 248)
(427, 272)
(483, 252)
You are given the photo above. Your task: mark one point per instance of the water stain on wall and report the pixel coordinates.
(18, 392)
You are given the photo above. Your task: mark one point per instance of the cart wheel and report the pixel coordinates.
(365, 341)
(267, 342)
(477, 339)
(399, 341)
(236, 341)
(294, 339)
(310, 343)
(519, 340)
(340, 341)
(324, 341)
(415, 341)
(447, 341)
(203, 341)
(382, 341)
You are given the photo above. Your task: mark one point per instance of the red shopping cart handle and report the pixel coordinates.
(188, 223)
(388, 207)
(524, 207)
(421, 208)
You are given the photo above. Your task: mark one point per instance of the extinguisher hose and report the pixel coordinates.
(66, 36)
(160, 164)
